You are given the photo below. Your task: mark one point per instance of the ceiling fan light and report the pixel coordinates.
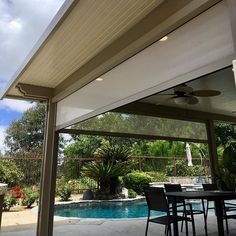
(181, 100)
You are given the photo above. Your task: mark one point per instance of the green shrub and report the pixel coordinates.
(74, 185)
(181, 168)
(30, 195)
(158, 176)
(64, 192)
(138, 181)
(9, 173)
(12, 197)
(132, 193)
(155, 164)
(9, 201)
(79, 185)
(196, 170)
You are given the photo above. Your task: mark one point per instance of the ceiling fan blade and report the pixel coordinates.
(183, 88)
(192, 100)
(169, 94)
(206, 93)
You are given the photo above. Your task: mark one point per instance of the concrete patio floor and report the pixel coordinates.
(133, 227)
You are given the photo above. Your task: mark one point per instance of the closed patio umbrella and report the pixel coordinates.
(189, 155)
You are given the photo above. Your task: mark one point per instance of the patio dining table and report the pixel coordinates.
(216, 196)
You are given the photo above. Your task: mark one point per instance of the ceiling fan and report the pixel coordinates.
(184, 94)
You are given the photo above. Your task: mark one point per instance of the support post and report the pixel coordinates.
(1, 206)
(48, 175)
(212, 148)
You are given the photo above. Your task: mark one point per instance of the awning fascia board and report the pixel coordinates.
(148, 109)
(130, 135)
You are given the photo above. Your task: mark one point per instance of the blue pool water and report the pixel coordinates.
(114, 210)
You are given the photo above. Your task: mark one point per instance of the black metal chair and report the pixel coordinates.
(209, 187)
(189, 210)
(227, 206)
(156, 201)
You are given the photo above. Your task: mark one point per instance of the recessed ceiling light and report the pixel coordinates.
(99, 79)
(163, 39)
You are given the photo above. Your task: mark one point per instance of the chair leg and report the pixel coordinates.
(192, 219)
(186, 222)
(182, 222)
(226, 220)
(227, 226)
(207, 208)
(205, 217)
(146, 231)
(169, 229)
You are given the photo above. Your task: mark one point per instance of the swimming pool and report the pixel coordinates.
(106, 209)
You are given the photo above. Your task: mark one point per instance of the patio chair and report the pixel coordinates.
(227, 206)
(156, 201)
(189, 210)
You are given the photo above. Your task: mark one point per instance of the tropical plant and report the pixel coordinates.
(104, 174)
(112, 162)
(113, 153)
(226, 170)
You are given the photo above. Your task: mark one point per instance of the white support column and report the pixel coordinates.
(48, 175)
(212, 148)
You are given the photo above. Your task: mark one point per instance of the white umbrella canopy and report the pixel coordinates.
(189, 155)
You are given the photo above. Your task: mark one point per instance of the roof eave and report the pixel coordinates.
(64, 10)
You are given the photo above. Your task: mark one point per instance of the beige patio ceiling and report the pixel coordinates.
(85, 37)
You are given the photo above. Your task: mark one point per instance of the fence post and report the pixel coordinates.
(140, 163)
(175, 167)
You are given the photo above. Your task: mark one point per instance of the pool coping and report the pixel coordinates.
(100, 201)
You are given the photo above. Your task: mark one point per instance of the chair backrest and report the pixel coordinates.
(173, 187)
(156, 199)
(209, 187)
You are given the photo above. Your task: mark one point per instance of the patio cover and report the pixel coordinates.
(65, 63)
(107, 39)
